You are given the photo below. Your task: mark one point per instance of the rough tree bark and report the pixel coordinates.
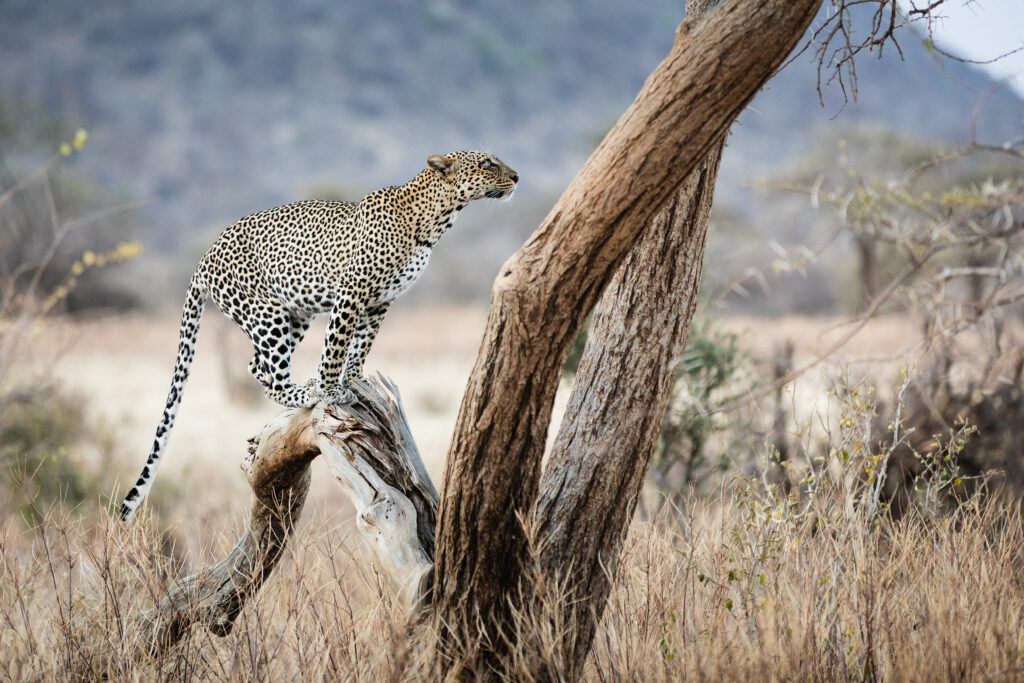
(544, 292)
(599, 460)
(601, 454)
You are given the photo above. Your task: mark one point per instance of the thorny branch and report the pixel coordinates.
(836, 42)
(971, 234)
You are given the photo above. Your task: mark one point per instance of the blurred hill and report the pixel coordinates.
(208, 111)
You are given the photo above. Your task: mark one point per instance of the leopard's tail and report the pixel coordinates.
(195, 302)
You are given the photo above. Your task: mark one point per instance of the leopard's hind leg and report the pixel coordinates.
(275, 333)
(262, 368)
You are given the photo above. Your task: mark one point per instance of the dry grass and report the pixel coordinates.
(754, 593)
(745, 586)
(72, 587)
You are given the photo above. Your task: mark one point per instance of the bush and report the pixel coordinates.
(50, 219)
(43, 267)
(37, 435)
(711, 363)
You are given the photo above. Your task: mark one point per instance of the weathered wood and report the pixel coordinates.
(600, 456)
(277, 468)
(370, 450)
(545, 291)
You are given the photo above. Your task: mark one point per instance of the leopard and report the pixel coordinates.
(273, 271)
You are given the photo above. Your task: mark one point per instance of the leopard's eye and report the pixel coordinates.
(488, 164)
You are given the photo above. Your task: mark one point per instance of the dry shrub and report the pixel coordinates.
(959, 425)
(50, 216)
(988, 396)
(42, 269)
(36, 435)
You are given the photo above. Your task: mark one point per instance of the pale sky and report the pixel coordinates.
(982, 30)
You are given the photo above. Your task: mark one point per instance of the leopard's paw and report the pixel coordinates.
(337, 395)
(295, 395)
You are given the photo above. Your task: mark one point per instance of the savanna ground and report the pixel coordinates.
(735, 579)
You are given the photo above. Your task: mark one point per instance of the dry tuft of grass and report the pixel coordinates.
(71, 590)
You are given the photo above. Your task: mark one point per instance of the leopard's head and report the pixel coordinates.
(474, 175)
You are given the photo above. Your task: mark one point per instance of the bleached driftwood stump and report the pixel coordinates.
(370, 450)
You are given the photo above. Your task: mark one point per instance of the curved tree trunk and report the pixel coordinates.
(600, 457)
(606, 440)
(544, 292)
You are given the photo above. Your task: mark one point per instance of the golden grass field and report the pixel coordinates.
(122, 366)
(738, 585)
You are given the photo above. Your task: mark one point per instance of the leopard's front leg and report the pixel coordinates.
(362, 340)
(344, 318)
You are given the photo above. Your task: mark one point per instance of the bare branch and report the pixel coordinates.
(836, 49)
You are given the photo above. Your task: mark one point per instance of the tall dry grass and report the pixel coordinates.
(747, 591)
(745, 585)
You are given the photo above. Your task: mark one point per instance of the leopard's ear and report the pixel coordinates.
(442, 165)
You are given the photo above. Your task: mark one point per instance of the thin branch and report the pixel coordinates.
(870, 313)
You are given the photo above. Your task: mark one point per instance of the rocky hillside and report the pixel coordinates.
(208, 111)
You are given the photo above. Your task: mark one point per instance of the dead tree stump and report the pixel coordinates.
(371, 452)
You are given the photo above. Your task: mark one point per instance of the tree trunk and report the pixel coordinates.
(604, 446)
(544, 292)
(611, 425)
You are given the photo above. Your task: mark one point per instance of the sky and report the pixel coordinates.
(982, 30)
